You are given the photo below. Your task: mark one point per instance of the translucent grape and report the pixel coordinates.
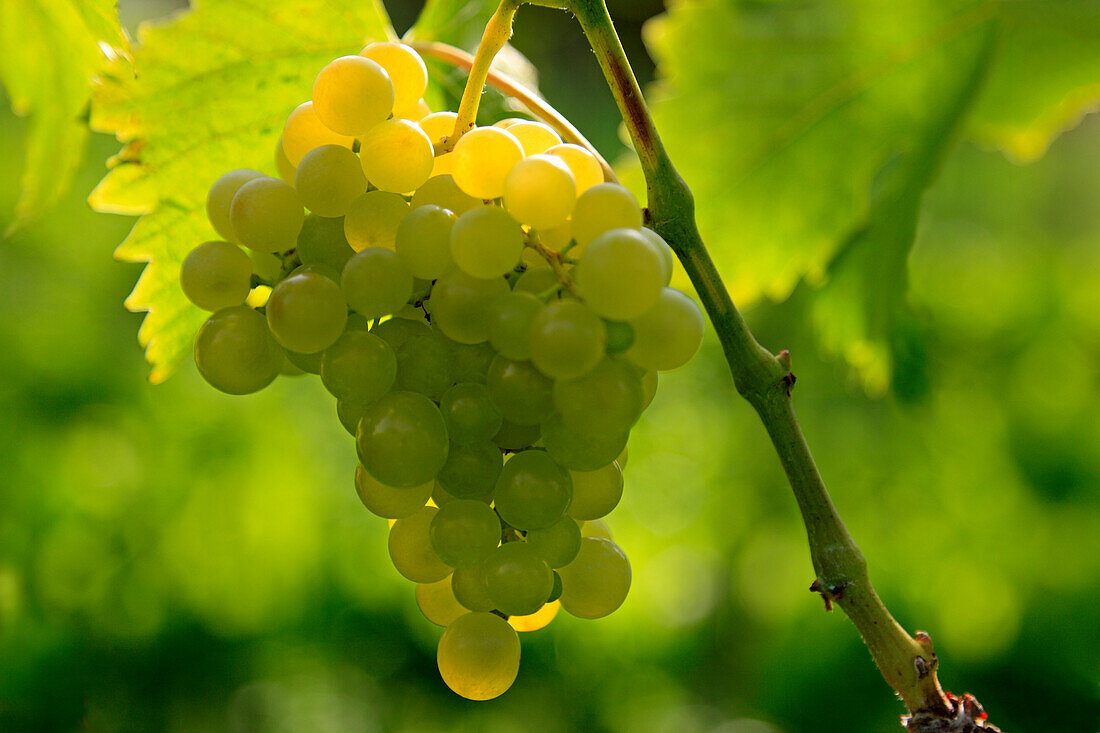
(322, 241)
(468, 585)
(375, 282)
(533, 491)
(437, 126)
(557, 544)
(438, 603)
(596, 528)
(486, 242)
(396, 331)
(595, 493)
(373, 219)
(359, 366)
(620, 275)
(557, 238)
(423, 241)
(350, 412)
(539, 619)
(668, 334)
(413, 112)
(216, 275)
(470, 362)
(471, 470)
(405, 68)
(483, 157)
(516, 437)
(537, 281)
(623, 455)
(460, 303)
(649, 388)
(668, 259)
(402, 439)
(608, 399)
(581, 451)
(266, 265)
(509, 121)
(304, 132)
(411, 548)
(390, 502)
(221, 196)
(586, 168)
(540, 191)
(266, 215)
(478, 656)
(319, 268)
(511, 316)
(602, 208)
(424, 365)
(535, 137)
(309, 363)
(397, 156)
(328, 179)
(470, 413)
(442, 497)
(283, 166)
(464, 532)
(620, 336)
(442, 191)
(352, 94)
(567, 339)
(523, 393)
(597, 581)
(517, 579)
(306, 312)
(235, 352)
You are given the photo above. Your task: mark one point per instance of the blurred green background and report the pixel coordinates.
(176, 559)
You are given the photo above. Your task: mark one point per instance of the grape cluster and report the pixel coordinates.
(490, 320)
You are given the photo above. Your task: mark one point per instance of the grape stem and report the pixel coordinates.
(555, 261)
(907, 663)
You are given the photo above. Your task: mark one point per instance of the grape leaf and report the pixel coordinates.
(781, 115)
(209, 92)
(51, 48)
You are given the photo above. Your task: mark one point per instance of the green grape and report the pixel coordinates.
(586, 168)
(288, 369)
(567, 339)
(304, 132)
(515, 437)
(266, 265)
(390, 502)
(356, 322)
(235, 352)
(668, 334)
(319, 268)
(531, 258)
(373, 219)
(471, 470)
(478, 656)
(423, 241)
(328, 179)
(510, 321)
(437, 126)
(221, 196)
(359, 367)
(424, 365)
(266, 214)
(405, 68)
(283, 166)
(517, 579)
(668, 259)
(350, 412)
(596, 528)
(397, 331)
(620, 336)
(595, 493)
(621, 460)
(464, 532)
(352, 94)
(438, 603)
(537, 281)
(649, 388)
(468, 585)
(216, 275)
(402, 439)
(411, 548)
(540, 191)
(619, 275)
(309, 363)
(608, 399)
(523, 393)
(597, 581)
(470, 362)
(396, 156)
(483, 157)
(535, 137)
(486, 242)
(322, 241)
(556, 238)
(375, 282)
(470, 413)
(604, 207)
(440, 496)
(306, 312)
(581, 451)
(442, 191)
(557, 544)
(555, 594)
(459, 305)
(409, 311)
(533, 491)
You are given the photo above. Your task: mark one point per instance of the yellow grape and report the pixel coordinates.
(304, 132)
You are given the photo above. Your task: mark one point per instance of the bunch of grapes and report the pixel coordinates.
(491, 321)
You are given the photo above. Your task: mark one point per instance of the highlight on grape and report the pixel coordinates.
(491, 322)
